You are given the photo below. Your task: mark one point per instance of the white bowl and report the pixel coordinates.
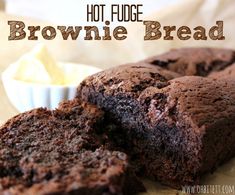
(25, 96)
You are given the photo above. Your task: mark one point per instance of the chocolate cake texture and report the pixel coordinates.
(59, 152)
(177, 127)
(194, 61)
(170, 117)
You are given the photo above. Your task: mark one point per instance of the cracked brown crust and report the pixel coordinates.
(59, 152)
(171, 124)
(227, 73)
(194, 61)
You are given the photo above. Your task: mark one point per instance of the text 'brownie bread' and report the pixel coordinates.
(194, 61)
(177, 127)
(58, 152)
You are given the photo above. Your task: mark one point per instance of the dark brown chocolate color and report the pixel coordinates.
(178, 128)
(173, 127)
(194, 61)
(59, 152)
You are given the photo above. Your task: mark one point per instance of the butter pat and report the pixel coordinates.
(38, 66)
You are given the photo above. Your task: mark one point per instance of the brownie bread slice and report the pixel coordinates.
(177, 128)
(59, 152)
(227, 73)
(194, 61)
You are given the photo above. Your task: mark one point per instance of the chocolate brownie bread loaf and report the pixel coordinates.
(194, 61)
(227, 73)
(178, 128)
(59, 152)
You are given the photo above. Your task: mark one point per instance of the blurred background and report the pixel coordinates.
(105, 54)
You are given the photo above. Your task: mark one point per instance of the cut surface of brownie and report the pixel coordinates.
(58, 152)
(194, 61)
(177, 127)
